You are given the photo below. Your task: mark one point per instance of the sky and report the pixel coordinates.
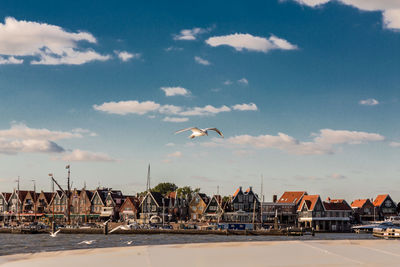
(306, 93)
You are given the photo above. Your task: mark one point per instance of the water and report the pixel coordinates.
(15, 244)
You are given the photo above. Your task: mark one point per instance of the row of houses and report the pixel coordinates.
(293, 208)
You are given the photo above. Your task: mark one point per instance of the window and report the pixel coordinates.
(251, 198)
(153, 208)
(240, 198)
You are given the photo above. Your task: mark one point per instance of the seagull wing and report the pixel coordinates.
(57, 231)
(215, 129)
(193, 129)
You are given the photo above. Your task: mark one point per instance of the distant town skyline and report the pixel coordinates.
(306, 93)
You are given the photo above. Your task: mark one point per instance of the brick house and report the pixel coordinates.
(43, 202)
(129, 209)
(197, 206)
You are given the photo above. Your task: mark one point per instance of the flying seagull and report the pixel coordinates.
(199, 132)
(55, 233)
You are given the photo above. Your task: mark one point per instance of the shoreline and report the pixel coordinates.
(262, 253)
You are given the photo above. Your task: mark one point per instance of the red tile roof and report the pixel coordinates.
(359, 203)
(309, 200)
(236, 192)
(379, 200)
(172, 194)
(292, 197)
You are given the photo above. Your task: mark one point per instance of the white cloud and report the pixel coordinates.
(21, 131)
(176, 154)
(243, 81)
(170, 144)
(82, 155)
(141, 108)
(126, 56)
(50, 44)
(369, 102)
(127, 107)
(190, 34)
(204, 111)
(173, 48)
(323, 142)
(10, 60)
(337, 176)
(172, 91)
(202, 61)
(390, 8)
(227, 82)
(241, 41)
(394, 144)
(244, 107)
(175, 119)
(14, 146)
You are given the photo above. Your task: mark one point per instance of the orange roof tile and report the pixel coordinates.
(379, 200)
(310, 201)
(359, 203)
(236, 192)
(292, 196)
(337, 204)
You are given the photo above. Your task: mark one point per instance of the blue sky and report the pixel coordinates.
(306, 93)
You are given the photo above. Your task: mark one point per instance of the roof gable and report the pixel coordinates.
(379, 200)
(310, 201)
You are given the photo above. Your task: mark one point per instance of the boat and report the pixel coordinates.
(387, 233)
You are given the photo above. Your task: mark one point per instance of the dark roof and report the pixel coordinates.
(7, 196)
(158, 197)
(48, 196)
(337, 204)
(204, 197)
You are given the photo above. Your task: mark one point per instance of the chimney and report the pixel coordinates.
(251, 188)
(274, 198)
(328, 199)
(240, 187)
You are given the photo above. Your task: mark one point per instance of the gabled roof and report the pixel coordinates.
(337, 204)
(131, 199)
(237, 191)
(292, 197)
(359, 203)
(309, 201)
(379, 200)
(6, 196)
(218, 200)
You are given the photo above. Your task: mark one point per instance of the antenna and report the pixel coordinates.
(262, 188)
(148, 179)
(217, 189)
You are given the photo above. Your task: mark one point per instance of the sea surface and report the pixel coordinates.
(25, 243)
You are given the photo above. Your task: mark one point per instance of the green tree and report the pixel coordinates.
(186, 191)
(164, 188)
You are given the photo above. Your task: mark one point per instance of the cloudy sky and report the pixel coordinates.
(306, 93)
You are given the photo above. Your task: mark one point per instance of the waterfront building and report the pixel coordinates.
(129, 209)
(113, 202)
(246, 207)
(4, 205)
(197, 206)
(59, 204)
(214, 210)
(285, 208)
(154, 208)
(385, 206)
(43, 201)
(338, 215)
(311, 212)
(86, 205)
(178, 208)
(98, 200)
(363, 210)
